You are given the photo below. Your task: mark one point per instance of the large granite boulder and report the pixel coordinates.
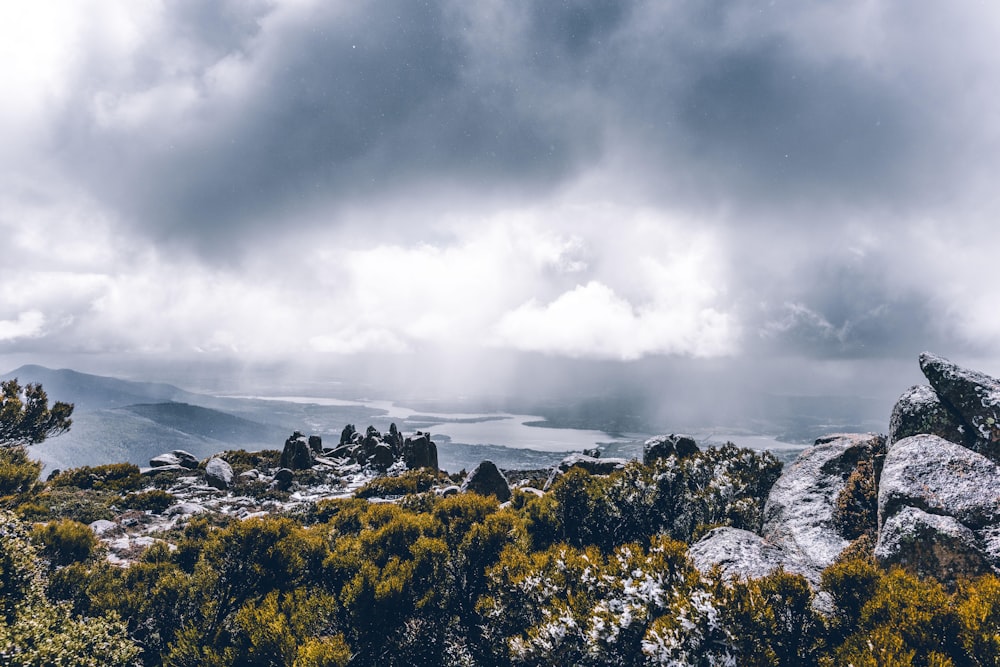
(662, 446)
(739, 553)
(799, 512)
(940, 477)
(931, 545)
(939, 509)
(972, 395)
(419, 451)
(218, 474)
(800, 532)
(593, 465)
(920, 410)
(296, 454)
(316, 444)
(487, 480)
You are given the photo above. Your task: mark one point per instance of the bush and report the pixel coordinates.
(65, 541)
(118, 477)
(410, 482)
(18, 473)
(155, 501)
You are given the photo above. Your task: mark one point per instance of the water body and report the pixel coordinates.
(514, 430)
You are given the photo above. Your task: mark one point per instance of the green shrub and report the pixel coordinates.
(18, 473)
(410, 482)
(80, 505)
(155, 500)
(856, 510)
(65, 541)
(111, 477)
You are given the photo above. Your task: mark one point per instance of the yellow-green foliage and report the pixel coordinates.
(154, 500)
(110, 477)
(410, 482)
(65, 541)
(18, 473)
(36, 631)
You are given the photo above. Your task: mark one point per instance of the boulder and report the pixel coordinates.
(487, 480)
(972, 395)
(218, 474)
(662, 446)
(103, 527)
(152, 472)
(930, 545)
(799, 512)
(382, 456)
(920, 410)
(593, 465)
(316, 444)
(940, 477)
(739, 553)
(419, 451)
(347, 435)
(283, 479)
(296, 453)
(178, 457)
(939, 509)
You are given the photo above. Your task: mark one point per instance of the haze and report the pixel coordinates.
(679, 199)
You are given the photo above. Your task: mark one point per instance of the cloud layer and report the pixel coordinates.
(591, 179)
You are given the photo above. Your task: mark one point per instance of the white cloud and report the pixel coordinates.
(27, 325)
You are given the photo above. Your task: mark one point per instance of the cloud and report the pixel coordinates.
(28, 324)
(599, 179)
(592, 321)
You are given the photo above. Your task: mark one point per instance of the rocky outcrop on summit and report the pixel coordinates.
(973, 396)
(938, 508)
(799, 530)
(487, 480)
(419, 451)
(920, 410)
(662, 446)
(296, 455)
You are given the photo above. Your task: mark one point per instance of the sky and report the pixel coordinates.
(502, 184)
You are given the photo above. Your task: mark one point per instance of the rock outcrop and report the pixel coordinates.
(296, 455)
(920, 410)
(177, 457)
(419, 451)
(218, 474)
(799, 531)
(662, 446)
(973, 396)
(938, 507)
(487, 480)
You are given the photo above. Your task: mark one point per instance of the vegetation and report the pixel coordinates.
(593, 572)
(25, 416)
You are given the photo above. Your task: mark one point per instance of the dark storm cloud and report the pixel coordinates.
(803, 144)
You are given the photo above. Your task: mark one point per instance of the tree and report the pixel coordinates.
(25, 416)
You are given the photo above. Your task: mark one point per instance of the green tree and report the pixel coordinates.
(25, 416)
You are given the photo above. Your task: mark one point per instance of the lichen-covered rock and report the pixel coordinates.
(218, 474)
(940, 477)
(296, 453)
(487, 480)
(739, 553)
(662, 446)
(973, 395)
(920, 410)
(799, 513)
(593, 465)
(930, 545)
